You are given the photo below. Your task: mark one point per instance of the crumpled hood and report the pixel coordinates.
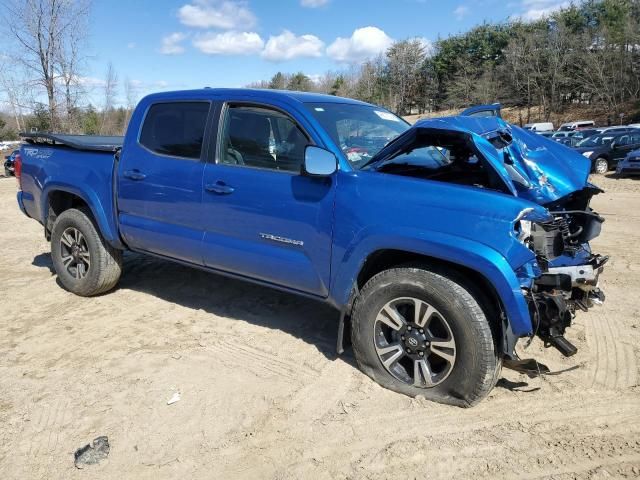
(539, 170)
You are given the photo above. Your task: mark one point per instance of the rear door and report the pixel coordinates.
(262, 218)
(160, 181)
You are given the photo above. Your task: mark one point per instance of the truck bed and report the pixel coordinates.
(99, 143)
(75, 164)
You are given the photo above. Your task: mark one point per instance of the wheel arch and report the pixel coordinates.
(495, 285)
(57, 198)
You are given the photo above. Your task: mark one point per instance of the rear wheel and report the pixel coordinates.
(85, 263)
(419, 332)
(601, 166)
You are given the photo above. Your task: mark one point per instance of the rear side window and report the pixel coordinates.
(175, 129)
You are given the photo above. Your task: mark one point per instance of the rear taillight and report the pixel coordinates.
(17, 169)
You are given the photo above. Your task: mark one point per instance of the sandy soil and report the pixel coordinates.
(262, 395)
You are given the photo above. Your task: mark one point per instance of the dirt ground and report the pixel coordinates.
(262, 393)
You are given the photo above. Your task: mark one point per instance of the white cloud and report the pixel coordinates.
(171, 44)
(313, 3)
(229, 43)
(287, 46)
(537, 9)
(223, 14)
(364, 43)
(89, 82)
(426, 44)
(460, 12)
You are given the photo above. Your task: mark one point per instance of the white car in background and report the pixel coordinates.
(577, 125)
(539, 127)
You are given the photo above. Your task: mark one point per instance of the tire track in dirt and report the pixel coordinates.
(260, 362)
(614, 365)
(364, 434)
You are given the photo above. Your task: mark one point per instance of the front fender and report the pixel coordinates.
(461, 251)
(100, 213)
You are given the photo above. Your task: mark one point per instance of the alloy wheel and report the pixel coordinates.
(75, 255)
(601, 166)
(414, 342)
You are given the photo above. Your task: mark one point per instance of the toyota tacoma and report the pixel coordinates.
(441, 244)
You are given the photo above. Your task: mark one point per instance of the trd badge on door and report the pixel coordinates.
(276, 238)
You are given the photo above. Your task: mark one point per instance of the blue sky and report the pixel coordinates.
(179, 44)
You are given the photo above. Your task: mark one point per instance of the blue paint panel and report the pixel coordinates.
(274, 203)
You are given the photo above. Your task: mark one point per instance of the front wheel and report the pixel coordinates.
(85, 263)
(419, 332)
(601, 166)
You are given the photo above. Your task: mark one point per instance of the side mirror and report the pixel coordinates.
(318, 162)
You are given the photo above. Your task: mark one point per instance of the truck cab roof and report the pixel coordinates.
(253, 93)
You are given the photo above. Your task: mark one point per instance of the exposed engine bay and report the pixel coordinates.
(568, 270)
(444, 156)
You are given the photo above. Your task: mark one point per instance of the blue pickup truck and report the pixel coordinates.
(440, 244)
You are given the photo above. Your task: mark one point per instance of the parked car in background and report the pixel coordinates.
(577, 125)
(629, 165)
(546, 134)
(562, 134)
(9, 163)
(572, 138)
(539, 127)
(584, 133)
(618, 129)
(605, 150)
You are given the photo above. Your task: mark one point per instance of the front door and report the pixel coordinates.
(262, 218)
(160, 181)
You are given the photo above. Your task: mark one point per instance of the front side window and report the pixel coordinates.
(175, 129)
(624, 140)
(359, 130)
(261, 138)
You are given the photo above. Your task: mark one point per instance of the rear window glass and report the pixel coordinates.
(175, 129)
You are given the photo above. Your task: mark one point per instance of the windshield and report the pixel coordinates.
(596, 141)
(359, 130)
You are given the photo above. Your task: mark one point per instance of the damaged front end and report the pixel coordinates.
(557, 273)
(564, 276)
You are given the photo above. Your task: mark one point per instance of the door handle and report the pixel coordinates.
(134, 174)
(219, 187)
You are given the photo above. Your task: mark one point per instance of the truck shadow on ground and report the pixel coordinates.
(311, 321)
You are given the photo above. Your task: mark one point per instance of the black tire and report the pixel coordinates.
(600, 166)
(477, 363)
(7, 172)
(105, 265)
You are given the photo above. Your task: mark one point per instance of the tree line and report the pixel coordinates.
(585, 54)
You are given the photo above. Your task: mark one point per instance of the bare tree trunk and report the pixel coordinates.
(39, 30)
(110, 87)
